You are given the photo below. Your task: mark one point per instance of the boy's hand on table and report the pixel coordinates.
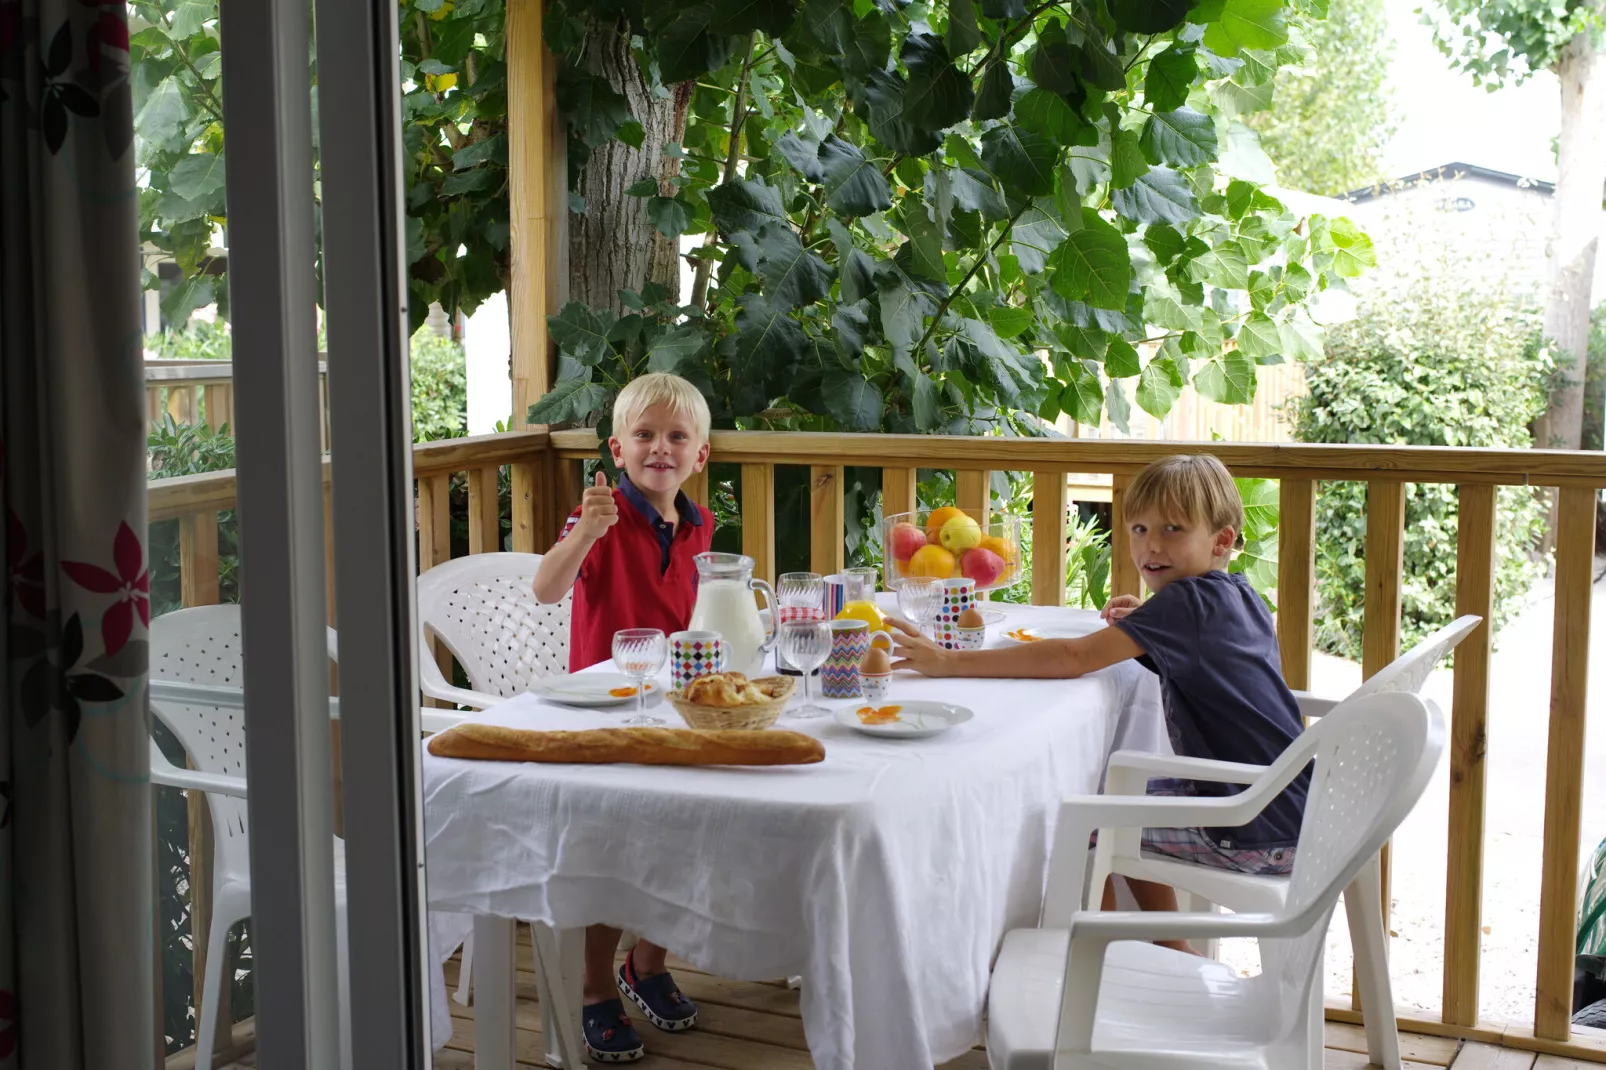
(1118, 607)
(916, 652)
(598, 511)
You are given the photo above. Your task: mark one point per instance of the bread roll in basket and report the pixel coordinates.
(731, 700)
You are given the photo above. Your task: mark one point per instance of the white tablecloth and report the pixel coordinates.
(885, 876)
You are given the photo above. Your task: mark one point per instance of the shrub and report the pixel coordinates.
(1445, 358)
(440, 387)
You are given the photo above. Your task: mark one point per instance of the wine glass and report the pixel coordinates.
(801, 596)
(918, 597)
(639, 653)
(806, 644)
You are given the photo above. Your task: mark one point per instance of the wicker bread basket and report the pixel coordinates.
(752, 716)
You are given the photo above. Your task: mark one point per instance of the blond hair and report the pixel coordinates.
(660, 388)
(1191, 487)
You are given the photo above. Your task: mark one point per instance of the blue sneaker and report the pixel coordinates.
(658, 997)
(609, 1036)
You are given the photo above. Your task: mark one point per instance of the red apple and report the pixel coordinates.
(983, 566)
(905, 540)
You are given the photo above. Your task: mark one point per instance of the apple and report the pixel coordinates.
(959, 534)
(905, 540)
(983, 566)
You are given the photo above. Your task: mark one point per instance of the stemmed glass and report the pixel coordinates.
(806, 644)
(918, 597)
(802, 597)
(639, 653)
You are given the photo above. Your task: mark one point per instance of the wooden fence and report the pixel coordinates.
(546, 478)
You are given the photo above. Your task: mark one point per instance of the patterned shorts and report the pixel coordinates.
(1195, 845)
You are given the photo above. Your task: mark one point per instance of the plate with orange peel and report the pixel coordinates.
(590, 688)
(916, 719)
(1036, 632)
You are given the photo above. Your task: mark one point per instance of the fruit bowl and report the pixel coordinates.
(949, 544)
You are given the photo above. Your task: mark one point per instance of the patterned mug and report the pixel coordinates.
(694, 654)
(850, 642)
(957, 596)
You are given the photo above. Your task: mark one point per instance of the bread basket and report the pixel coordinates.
(751, 716)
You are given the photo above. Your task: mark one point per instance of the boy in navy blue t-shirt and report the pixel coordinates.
(1207, 635)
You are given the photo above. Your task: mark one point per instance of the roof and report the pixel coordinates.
(1455, 169)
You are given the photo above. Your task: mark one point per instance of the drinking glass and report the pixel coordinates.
(806, 644)
(868, 577)
(639, 653)
(802, 597)
(918, 598)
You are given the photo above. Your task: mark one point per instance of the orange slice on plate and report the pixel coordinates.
(1021, 635)
(622, 692)
(883, 715)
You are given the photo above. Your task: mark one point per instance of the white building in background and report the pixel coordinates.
(488, 350)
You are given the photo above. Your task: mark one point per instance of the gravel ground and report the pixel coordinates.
(1517, 735)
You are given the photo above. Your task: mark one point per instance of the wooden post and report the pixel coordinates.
(215, 400)
(898, 491)
(696, 487)
(197, 559)
(329, 556)
(568, 485)
(484, 513)
(1463, 892)
(827, 528)
(435, 547)
(758, 518)
(1124, 577)
(1296, 577)
(181, 404)
(537, 184)
(1050, 501)
(973, 493)
(528, 515)
(1380, 623)
(1564, 766)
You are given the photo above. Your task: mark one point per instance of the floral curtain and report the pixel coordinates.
(76, 884)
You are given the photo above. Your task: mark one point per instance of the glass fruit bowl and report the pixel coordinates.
(949, 544)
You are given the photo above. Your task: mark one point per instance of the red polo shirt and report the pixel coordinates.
(638, 575)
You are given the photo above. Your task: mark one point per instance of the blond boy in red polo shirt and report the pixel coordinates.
(627, 553)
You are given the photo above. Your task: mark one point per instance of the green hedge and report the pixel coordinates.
(1445, 359)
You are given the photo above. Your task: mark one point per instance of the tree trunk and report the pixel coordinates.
(613, 245)
(1580, 179)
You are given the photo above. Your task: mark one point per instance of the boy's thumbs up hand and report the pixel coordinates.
(598, 511)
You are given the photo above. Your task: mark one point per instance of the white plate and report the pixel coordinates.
(916, 720)
(588, 688)
(1053, 631)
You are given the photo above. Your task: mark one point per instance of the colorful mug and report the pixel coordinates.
(836, 594)
(694, 654)
(957, 596)
(850, 642)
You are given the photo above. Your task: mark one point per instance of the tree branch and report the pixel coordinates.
(953, 293)
(705, 267)
(213, 105)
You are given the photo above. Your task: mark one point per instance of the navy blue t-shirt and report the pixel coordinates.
(1210, 640)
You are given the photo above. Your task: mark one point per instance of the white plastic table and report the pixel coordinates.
(885, 876)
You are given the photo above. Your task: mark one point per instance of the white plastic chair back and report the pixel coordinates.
(1410, 670)
(1374, 757)
(201, 645)
(483, 609)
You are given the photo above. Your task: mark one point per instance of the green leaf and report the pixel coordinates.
(1127, 163)
(938, 94)
(1120, 360)
(1052, 64)
(476, 181)
(1247, 24)
(1009, 320)
(854, 186)
(902, 310)
(1228, 378)
(1048, 114)
(1258, 338)
(745, 204)
(963, 33)
(1244, 158)
(1163, 307)
(569, 401)
(671, 215)
(792, 274)
(1353, 252)
(1149, 16)
(997, 87)
(882, 105)
(1036, 234)
(767, 343)
(1083, 395)
(921, 255)
(1160, 196)
(925, 404)
(190, 17)
(454, 39)
(197, 177)
(489, 149)
(677, 347)
(1088, 343)
(1181, 138)
(592, 108)
(858, 274)
(1163, 241)
(1158, 389)
(643, 187)
(773, 17)
(631, 132)
(1098, 65)
(1301, 338)
(974, 191)
(1227, 267)
(164, 113)
(192, 293)
(1119, 408)
(1092, 265)
(1169, 78)
(852, 326)
(854, 401)
(1021, 159)
(1004, 9)
(581, 332)
(686, 47)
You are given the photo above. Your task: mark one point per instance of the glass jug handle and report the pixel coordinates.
(769, 599)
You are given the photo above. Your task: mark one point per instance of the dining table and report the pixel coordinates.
(884, 876)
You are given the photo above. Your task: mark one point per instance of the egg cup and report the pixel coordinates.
(876, 685)
(970, 638)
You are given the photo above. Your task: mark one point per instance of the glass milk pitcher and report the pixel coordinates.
(725, 604)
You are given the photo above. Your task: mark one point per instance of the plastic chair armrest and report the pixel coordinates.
(165, 773)
(186, 694)
(1314, 705)
(434, 720)
(433, 683)
(1171, 765)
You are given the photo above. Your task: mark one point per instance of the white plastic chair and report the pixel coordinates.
(483, 609)
(1119, 850)
(1090, 989)
(196, 692)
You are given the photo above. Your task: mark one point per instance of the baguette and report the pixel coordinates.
(642, 746)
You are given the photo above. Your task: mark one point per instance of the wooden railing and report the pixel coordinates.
(202, 392)
(546, 478)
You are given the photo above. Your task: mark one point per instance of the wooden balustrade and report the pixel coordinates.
(546, 478)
